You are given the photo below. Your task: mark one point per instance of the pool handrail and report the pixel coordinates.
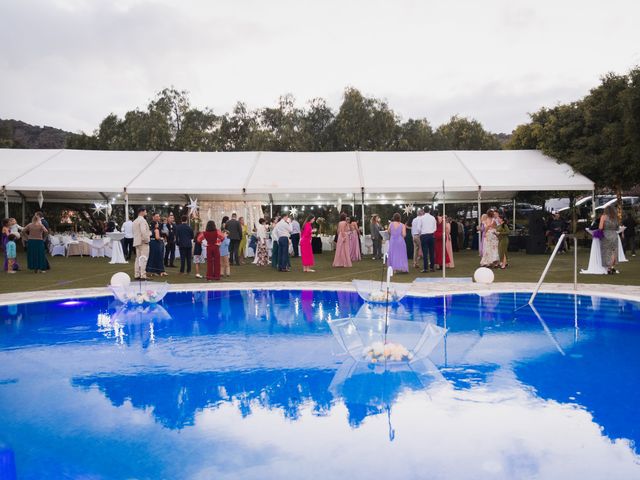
(553, 255)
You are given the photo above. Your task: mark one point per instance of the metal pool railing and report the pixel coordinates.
(553, 255)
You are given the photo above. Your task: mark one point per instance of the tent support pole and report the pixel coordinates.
(24, 210)
(593, 204)
(363, 217)
(6, 203)
(126, 205)
(106, 208)
(353, 207)
(444, 234)
(514, 212)
(479, 215)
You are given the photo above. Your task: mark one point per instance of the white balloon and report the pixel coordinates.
(483, 275)
(120, 279)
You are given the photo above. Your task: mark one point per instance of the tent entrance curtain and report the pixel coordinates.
(251, 211)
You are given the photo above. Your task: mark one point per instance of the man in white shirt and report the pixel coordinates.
(428, 227)
(127, 241)
(415, 234)
(282, 232)
(295, 236)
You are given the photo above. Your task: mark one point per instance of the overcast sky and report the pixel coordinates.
(69, 63)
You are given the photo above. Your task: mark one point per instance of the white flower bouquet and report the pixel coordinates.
(374, 340)
(374, 291)
(379, 352)
(140, 293)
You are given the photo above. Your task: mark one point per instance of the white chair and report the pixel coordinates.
(56, 246)
(97, 247)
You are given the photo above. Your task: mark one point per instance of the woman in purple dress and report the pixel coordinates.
(397, 247)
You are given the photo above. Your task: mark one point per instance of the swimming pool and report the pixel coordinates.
(252, 384)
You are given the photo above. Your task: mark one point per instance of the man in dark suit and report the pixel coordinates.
(170, 249)
(184, 239)
(235, 235)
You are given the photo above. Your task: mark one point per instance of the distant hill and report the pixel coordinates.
(17, 134)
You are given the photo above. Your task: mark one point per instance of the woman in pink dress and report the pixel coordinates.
(354, 241)
(342, 257)
(450, 263)
(306, 251)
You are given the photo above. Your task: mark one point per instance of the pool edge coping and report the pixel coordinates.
(418, 290)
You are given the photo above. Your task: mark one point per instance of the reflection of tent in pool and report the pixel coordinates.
(369, 390)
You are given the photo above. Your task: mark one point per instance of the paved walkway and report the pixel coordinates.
(419, 289)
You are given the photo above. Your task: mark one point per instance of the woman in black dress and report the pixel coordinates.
(155, 264)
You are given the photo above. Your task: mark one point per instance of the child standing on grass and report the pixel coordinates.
(225, 269)
(10, 250)
(198, 257)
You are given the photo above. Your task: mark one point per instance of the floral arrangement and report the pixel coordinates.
(379, 352)
(147, 296)
(597, 233)
(382, 296)
(139, 294)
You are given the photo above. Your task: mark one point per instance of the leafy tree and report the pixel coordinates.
(110, 133)
(238, 131)
(169, 107)
(317, 127)
(415, 135)
(463, 134)
(282, 126)
(364, 123)
(198, 132)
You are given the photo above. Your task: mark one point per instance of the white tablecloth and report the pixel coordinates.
(327, 243)
(117, 255)
(595, 257)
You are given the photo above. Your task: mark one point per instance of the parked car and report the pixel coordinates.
(522, 209)
(627, 202)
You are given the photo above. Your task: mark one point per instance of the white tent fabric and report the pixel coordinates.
(283, 177)
(214, 173)
(83, 171)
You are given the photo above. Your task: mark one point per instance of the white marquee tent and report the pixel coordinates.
(281, 177)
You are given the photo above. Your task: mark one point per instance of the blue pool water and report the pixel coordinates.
(252, 384)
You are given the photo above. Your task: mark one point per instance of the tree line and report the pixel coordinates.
(599, 135)
(170, 122)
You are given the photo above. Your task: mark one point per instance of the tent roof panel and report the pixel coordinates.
(305, 172)
(414, 172)
(520, 170)
(308, 177)
(85, 171)
(16, 162)
(196, 172)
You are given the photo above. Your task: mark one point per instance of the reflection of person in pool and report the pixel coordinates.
(306, 301)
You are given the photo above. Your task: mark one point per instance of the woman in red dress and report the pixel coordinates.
(306, 251)
(440, 227)
(214, 238)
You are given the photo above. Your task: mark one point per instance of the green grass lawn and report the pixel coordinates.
(79, 272)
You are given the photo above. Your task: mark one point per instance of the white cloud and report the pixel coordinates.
(69, 63)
